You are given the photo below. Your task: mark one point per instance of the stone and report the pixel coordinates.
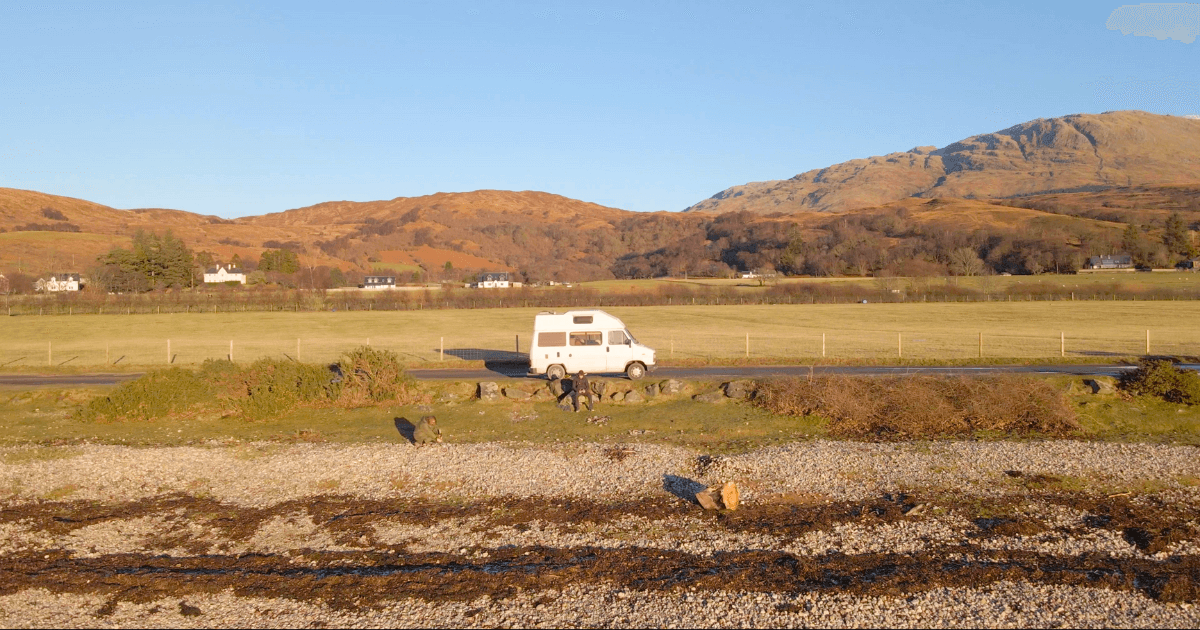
(634, 397)
(717, 498)
(565, 405)
(599, 388)
(671, 387)
(710, 397)
(739, 390)
(706, 500)
(650, 391)
(516, 393)
(617, 396)
(730, 497)
(489, 390)
(556, 387)
(1101, 384)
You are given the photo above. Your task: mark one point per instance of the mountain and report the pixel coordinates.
(1078, 152)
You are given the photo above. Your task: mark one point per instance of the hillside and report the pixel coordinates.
(1127, 148)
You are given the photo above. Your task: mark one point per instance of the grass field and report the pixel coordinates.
(45, 416)
(919, 332)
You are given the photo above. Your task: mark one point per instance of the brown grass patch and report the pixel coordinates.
(923, 406)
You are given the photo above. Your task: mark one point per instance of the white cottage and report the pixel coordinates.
(222, 273)
(493, 280)
(59, 282)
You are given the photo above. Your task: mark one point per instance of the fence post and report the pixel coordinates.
(900, 345)
(747, 345)
(518, 345)
(49, 353)
(1062, 344)
(981, 344)
(441, 348)
(297, 349)
(1147, 342)
(822, 345)
(168, 351)
(106, 354)
(231, 351)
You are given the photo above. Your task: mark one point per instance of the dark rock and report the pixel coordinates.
(489, 391)
(516, 393)
(599, 388)
(650, 391)
(1101, 385)
(739, 390)
(671, 387)
(556, 387)
(634, 397)
(710, 397)
(617, 396)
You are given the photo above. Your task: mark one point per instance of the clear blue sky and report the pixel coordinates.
(251, 108)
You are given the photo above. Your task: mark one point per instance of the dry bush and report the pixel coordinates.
(371, 376)
(923, 406)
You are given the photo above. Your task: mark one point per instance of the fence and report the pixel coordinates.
(679, 344)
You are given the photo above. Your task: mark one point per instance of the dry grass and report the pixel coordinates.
(922, 406)
(1097, 331)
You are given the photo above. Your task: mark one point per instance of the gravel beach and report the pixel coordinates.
(830, 533)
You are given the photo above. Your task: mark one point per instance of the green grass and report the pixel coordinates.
(1096, 331)
(46, 417)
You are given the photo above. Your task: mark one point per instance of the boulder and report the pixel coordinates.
(556, 387)
(634, 397)
(650, 391)
(671, 387)
(739, 390)
(710, 397)
(516, 393)
(489, 391)
(599, 388)
(726, 496)
(617, 396)
(1101, 384)
(565, 405)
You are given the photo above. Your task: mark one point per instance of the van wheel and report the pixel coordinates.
(555, 372)
(635, 371)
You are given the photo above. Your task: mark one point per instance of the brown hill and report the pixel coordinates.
(1127, 148)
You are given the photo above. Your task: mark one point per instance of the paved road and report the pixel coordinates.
(70, 380)
(517, 370)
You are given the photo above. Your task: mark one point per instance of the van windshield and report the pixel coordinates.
(632, 339)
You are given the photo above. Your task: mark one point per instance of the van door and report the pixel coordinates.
(586, 352)
(618, 351)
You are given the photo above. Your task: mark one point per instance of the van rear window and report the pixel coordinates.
(552, 339)
(587, 338)
(582, 319)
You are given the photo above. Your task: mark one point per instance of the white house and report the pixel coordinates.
(379, 282)
(59, 282)
(222, 273)
(493, 280)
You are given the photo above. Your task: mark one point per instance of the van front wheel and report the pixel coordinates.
(555, 372)
(635, 371)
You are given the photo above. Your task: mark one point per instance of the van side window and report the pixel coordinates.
(582, 319)
(587, 338)
(552, 339)
(616, 337)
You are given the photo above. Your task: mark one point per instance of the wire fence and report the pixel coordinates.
(679, 344)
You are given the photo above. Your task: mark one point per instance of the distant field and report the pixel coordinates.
(934, 332)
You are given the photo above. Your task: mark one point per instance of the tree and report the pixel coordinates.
(1176, 236)
(153, 262)
(336, 277)
(965, 262)
(280, 260)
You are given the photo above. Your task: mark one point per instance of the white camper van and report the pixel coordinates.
(592, 341)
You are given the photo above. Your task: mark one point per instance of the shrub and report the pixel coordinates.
(269, 388)
(371, 376)
(1159, 377)
(922, 406)
(157, 394)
